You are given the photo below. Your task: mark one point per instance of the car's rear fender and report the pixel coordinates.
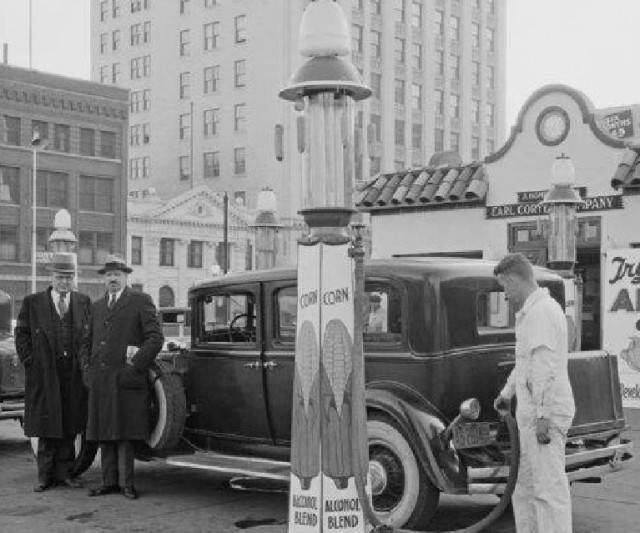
(423, 425)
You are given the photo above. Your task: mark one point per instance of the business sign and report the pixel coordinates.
(621, 324)
(618, 125)
(44, 257)
(538, 196)
(323, 495)
(595, 203)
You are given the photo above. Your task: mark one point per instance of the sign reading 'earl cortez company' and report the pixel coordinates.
(595, 203)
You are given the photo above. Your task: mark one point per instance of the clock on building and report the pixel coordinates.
(552, 126)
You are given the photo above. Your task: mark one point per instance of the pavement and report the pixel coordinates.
(176, 499)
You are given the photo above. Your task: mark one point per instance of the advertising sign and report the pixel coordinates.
(619, 124)
(621, 324)
(323, 494)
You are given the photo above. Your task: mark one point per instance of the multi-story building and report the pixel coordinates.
(205, 74)
(79, 167)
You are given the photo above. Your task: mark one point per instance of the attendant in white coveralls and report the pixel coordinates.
(545, 409)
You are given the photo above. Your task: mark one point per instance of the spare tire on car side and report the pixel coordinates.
(168, 407)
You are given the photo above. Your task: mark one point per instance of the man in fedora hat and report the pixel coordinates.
(124, 339)
(48, 335)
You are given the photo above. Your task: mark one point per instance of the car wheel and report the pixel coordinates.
(85, 453)
(402, 494)
(168, 409)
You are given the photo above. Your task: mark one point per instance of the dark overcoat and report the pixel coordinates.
(35, 344)
(118, 390)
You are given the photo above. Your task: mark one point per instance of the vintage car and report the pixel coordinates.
(11, 373)
(439, 331)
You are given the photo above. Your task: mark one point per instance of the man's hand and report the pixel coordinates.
(542, 430)
(501, 404)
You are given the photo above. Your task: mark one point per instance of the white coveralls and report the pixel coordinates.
(540, 381)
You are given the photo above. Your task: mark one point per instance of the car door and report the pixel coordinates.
(225, 378)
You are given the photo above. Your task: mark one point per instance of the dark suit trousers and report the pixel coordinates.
(55, 459)
(117, 463)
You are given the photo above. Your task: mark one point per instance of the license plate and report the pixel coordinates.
(473, 435)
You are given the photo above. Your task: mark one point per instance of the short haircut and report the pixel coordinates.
(516, 264)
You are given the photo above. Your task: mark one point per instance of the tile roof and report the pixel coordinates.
(628, 172)
(445, 186)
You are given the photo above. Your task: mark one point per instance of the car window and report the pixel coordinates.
(382, 319)
(227, 318)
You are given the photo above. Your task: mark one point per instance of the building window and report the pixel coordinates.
(240, 197)
(136, 64)
(96, 194)
(454, 27)
(239, 161)
(210, 120)
(475, 35)
(399, 132)
(416, 96)
(146, 66)
(185, 126)
(376, 44)
(104, 9)
(491, 77)
(211, 35)
(104, 37)
(400, 50)
(52, 189)
(167, 247)
(12, 130)
(439, 55)
(398, 10)
(9, 185)
(194, 254)
(211, 77)
(455, 67)
(376, 85)
(210, 3)
(42, 238)
(104, 73)
(108, 144)
(61, 137)
(136, 5)
(490, 115)
(94, 246)
(240, 72)
(146, 99)
(239, 117)
(184, 162)
(439, 102)
(41, 127)
(184, 6)
(416, 136)
(166, 297)
(356, 38)
(185, 85)
(475, 110)
(416, 14)
(475, 148)
(146, 31)
(211, 165)
(398, 91)
(87, 141)
(438, 140)
(416, 56)
(115, 8)
(492, 6)
(375, 128)
(241, 28)
(136, 250)
(438, 22)
(454, 141)
(146, 133)
(374, 165)
(8, 243)
(454, 105)
(134, 102)
(115, 73)
(138, 167)
(490, 37)
(475, 72)
(115, 39)
(376, 7)
(184, 43)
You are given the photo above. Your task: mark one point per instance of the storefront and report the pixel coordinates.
(486, 209)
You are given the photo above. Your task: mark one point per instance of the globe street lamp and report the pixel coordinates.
(267, 226)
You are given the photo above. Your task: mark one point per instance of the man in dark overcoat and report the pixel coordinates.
(124, 339)
(48, 336)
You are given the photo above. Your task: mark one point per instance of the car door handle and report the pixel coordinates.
(253, 364)
(269, 365)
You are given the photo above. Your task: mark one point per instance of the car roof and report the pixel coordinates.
(438, 267)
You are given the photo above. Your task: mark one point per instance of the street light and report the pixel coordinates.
(267, 226)
(36, 142)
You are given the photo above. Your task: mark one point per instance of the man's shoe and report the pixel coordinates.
(130, 492)
(103, 490)
(41, 487)
(71, 482)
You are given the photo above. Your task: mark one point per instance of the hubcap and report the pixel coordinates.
(387, 477)
(378, 477)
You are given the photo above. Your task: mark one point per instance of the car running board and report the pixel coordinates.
(233, 464)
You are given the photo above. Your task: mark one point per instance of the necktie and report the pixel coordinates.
(112, 301)
(62, 304)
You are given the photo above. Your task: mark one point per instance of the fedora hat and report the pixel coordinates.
(115, 262)
(63, 262)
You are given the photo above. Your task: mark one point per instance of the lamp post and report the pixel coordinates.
(329, 453)
(36, 143)
(267, 225)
